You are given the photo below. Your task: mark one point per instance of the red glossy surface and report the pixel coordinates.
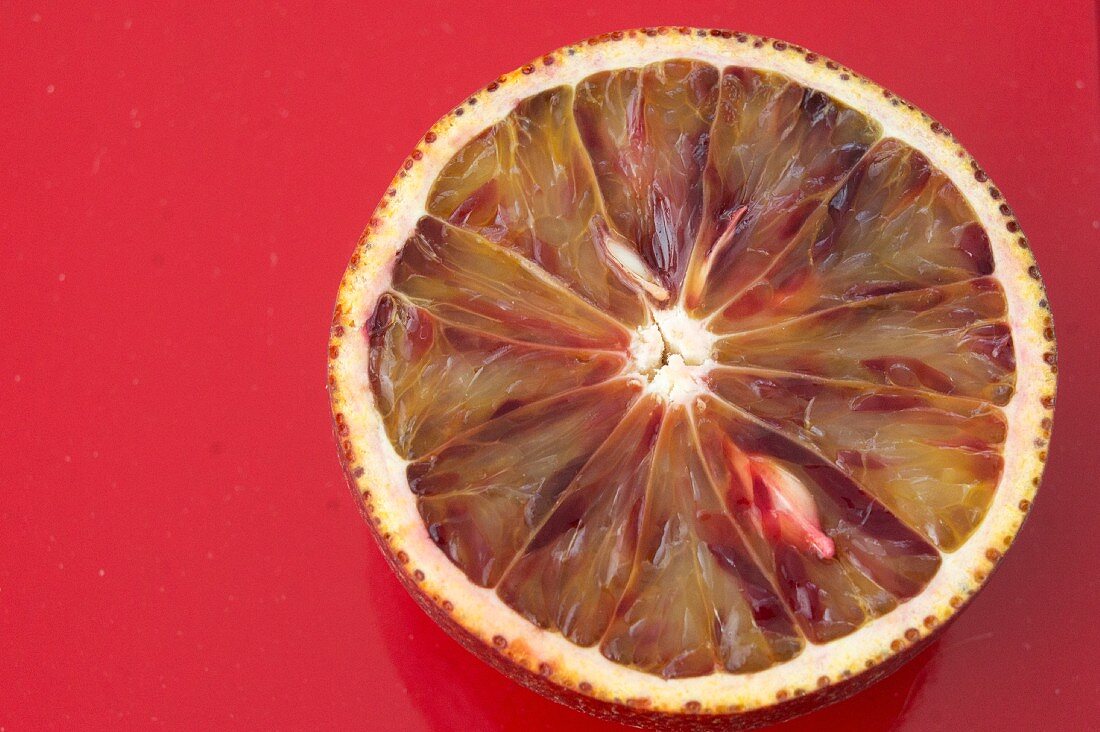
(180, 191)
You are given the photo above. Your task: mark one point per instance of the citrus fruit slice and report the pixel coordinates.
(689, 377)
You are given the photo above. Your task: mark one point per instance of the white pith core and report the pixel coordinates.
(672, 355)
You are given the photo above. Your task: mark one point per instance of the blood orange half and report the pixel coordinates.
(690, 378)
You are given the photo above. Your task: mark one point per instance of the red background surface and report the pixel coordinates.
(179, 193)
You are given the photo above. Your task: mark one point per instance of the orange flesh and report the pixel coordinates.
(795, 471)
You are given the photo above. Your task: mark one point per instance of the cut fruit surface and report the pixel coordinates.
(682, 374)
